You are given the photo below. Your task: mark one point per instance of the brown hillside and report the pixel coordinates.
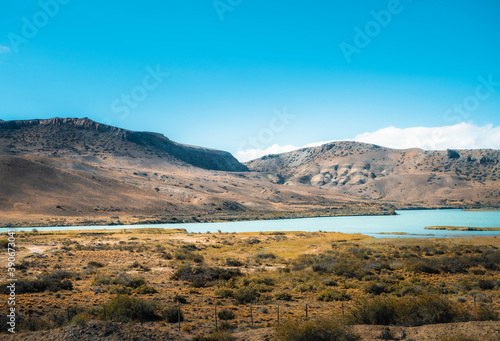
(411, 177)
(76, 171)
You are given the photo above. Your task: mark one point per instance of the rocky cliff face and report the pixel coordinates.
(90, 141)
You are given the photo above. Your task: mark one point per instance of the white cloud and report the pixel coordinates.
(251, 154)
(459, 136)
(4, 49)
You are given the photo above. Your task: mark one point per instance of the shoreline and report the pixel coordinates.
(461, 228)
(211, 218)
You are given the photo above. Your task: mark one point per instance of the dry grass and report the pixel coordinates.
(290, 268)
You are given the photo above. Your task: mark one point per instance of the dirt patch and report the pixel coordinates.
(99, 330)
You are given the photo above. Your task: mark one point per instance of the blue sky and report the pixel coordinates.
(216, 73)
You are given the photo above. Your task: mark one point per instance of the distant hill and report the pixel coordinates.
(371, 172)
(89, 141)
(77, 171)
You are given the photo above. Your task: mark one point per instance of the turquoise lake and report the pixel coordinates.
(411, 222)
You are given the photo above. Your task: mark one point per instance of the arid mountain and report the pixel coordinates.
(89, 141)
(402, 177)
(76, 171)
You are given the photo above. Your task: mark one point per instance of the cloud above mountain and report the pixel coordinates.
(458, 136)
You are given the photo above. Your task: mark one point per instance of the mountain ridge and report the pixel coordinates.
(85, 132)
(80, 172)
(372, 171)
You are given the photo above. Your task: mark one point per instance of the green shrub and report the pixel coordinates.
(34, 324)
(93, 264)
(123, 308)
(180, 299)
(171, 315)
(226, 314)
(487, 284)
(323, 329)
(118, 289)
(81, 318)
(428, 309)
(4, 243)
(122, 279)
(329, 295)
(305, 288)
(268, 255)
(283, 296)
(258, 281)
(186, 253)
(423, 266)
(145, 290)
(224, 293)
(376, 288)
(330, 283)
(486, 312)
(233, 262)
(56, 281)
(245, 295)
(201, 276)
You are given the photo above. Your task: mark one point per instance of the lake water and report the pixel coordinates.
(411, 222)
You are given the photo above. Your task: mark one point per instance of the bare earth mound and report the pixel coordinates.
(99, 330)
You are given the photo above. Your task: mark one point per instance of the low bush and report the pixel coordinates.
(423, 267)
(56, 281)
(201, 276)
(233, 262)
(258, 281)
(186, 253)
(485, 312)
(145, 290)
(412, 311)
(329, 295)
(487, 284)
(305, 288)
(224, 293)
(330, 283)
(123, 308)
(226, 314)
(81, 318)
(246, 295)
(4, 243)
(172, 315)
(265, 256)
(376, 289)
(180, 299)
(283, 296)
(121, 279)
(323, 329)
